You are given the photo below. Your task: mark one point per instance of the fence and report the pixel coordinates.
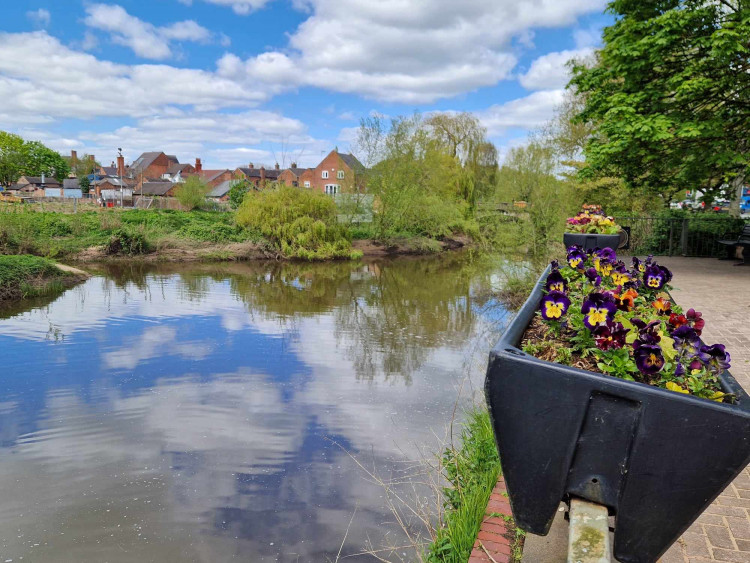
(696, 235)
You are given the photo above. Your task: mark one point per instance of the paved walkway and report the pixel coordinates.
(721, 291)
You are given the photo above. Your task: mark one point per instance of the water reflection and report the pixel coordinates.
(193, 414)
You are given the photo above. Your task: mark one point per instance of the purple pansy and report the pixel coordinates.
(610, 335)
(555, 282)
(554, 305)
(606, 253)
(679, 370)
(576, 257)
(686, 340)
(654, 277)
(620, 275)
(647, 333)
(715, 357)
(593, 276)
(598, 308)
(649, 359)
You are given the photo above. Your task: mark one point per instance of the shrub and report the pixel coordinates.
(302, 224)
(192, 194)
(127, 242)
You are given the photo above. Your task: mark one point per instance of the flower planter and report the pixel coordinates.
(654, 457)
(590, 241)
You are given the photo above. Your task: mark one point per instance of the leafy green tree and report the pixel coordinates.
(85, 166)
(40, 159)
(669, 94)
(12, 158)
(237, 191)
(192, 194)
(85, 184)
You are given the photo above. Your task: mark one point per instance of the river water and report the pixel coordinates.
(215, 412)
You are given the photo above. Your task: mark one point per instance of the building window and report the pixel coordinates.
(340, 174)
(332, 189)
(325, 173)
(307, 183)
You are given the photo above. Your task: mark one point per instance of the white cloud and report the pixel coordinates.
(241, 7)
(145, 39)
(524, 113)
(40, 18)
(399, 51)
(550, 71)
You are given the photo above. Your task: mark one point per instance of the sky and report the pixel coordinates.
(265, 81)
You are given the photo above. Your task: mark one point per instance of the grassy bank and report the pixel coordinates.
(472, 472)
(32, 276)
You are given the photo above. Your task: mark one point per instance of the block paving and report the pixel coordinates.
(495, 538)
(721, 291)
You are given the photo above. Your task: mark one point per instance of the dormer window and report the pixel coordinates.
(340, 174)
(325, 173)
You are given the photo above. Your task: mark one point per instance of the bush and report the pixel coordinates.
(127, 242)
(192, 194)
(302, 224)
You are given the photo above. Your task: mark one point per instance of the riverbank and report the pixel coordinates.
(26, 276)
(168, 236)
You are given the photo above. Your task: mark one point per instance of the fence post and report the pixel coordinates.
(684, 237)
(671, 235)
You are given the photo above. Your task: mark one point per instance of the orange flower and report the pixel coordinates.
(662, 306)
(626, 300)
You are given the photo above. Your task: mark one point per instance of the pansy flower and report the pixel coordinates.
(638, 264)
(695, 320)
(676, 321)
(715, 357)
(555, 282)
(648, 333)
(576, 257)
(610, 336)
(686, 341)
(625, 301)
(598, 308)
(679, 370)
(662, 306)
(593, 276)
(654, 277)
(620, 276)
(649, 359)
(554, 305)
(606, 253)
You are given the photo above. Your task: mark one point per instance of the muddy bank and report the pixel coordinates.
(239, 252)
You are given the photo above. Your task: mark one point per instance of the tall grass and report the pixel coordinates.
(28, 276)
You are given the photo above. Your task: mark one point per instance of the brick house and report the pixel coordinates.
(151, 166)
(257, 177)
(293, 176)
(336, 173)
(212, 178)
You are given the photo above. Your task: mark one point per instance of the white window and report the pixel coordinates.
(332, 189)
(307, 183)
(340, 174)
(325, 173)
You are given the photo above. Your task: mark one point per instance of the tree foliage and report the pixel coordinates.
(192, 194)
(237, 191)
(19, 157)
(669, 95)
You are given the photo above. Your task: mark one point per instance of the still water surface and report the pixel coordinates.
(208, 413)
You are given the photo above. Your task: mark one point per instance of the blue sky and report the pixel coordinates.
(238, 81)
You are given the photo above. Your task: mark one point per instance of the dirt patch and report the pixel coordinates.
(407, 247)
(546, 346)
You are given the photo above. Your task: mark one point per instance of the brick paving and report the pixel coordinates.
(721, 291)
(495, 539)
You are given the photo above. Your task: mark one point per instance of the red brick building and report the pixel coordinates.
(257, 177)
(151, 166)
(336, 173)
(293, 176)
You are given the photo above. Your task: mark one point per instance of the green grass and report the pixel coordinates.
(28, 276)
(472, 472)
(25, 231)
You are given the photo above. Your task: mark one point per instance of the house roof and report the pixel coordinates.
(271, 173)
(112, 181)
(37, 180)
(222, 189)
(71, 183)
(109, 170)
(351, 161)
(176, 167)
(147, 158)
(155, 188)
(298, 171)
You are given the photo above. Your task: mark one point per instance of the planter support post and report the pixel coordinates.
(588, 539)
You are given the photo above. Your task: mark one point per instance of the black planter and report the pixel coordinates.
(654, 457)
(590, 241)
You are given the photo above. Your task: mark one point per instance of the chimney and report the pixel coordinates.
(73, 158)
(198, 165)
(91, 158)
(250, 166)
(262, 175)
(277, 166)
(121, 166)
(294, 165)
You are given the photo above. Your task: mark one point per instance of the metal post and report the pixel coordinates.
(671, 234)
(684, 237)
(588, 540)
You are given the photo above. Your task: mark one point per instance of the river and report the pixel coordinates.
(212, 413)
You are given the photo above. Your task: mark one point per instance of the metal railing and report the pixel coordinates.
(695, 235)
